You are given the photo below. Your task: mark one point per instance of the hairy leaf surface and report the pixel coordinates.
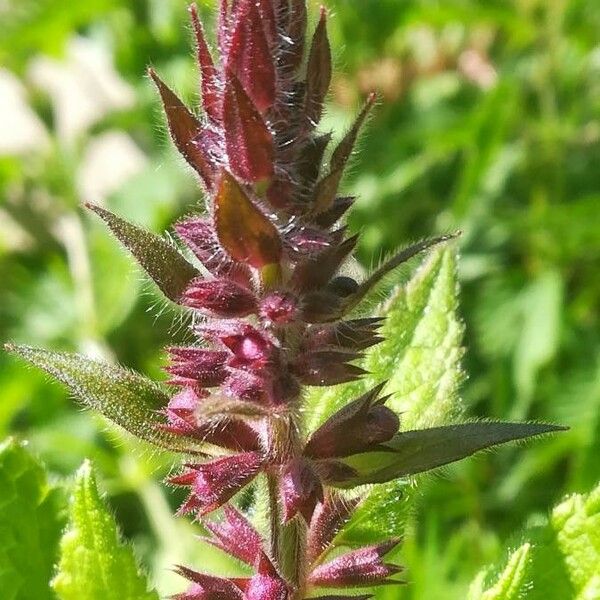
(31, 519)
(123, 396)
(560, 559)
(94, 563)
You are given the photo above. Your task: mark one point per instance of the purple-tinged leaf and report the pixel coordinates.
(318, 71)
(327, 188)
(360, 568)
(328, 518)
(221, 297)
(122, 396)
(189, 136)
(235, 535)
(249, 54)
(413, 452)
(160, 259)
(244, 231)
(249, 142)
(211, 97)
(400, 258)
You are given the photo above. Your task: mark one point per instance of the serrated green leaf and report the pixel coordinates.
(161, 260)
(94, 562)
(121, 395)
(31, 520)
(510, 582)
(414, 452)
(420, 358)
(563, 557)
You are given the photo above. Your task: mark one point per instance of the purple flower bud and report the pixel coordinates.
(300, 489)
(358, 427)
(279, 308)
(221, 297)
(361, 568)
(197, 367)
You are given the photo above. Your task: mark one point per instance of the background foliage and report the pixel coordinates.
(489, 121)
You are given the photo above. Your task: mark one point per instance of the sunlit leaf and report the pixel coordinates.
(245, 232)
(161, 260)
(124, 397)
(31, 520)
(95, 564)
(560, 559)
(414, 452)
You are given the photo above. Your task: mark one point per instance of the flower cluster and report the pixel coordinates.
(274, 302)
(263, 276)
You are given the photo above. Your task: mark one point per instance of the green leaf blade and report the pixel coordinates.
(160, 259)
(31, 521)
(422, 450)
(420, 359)
(563, 560)
(123, 396)
(94, 563)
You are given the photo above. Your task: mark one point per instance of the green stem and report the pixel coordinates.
(288, 540)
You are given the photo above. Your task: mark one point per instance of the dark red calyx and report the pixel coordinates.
(198, 234)
(328, 367)
(328, 519)
(214, 483)
(235, 535)
(221, 297)
(196, 367)
(208, 587)
(361, 568)
(361, 426)
(300, 489)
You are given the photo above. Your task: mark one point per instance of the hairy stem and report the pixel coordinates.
(288, 540)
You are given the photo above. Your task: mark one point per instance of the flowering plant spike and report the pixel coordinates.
(273, 315)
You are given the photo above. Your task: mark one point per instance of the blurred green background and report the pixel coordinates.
(489, 122)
